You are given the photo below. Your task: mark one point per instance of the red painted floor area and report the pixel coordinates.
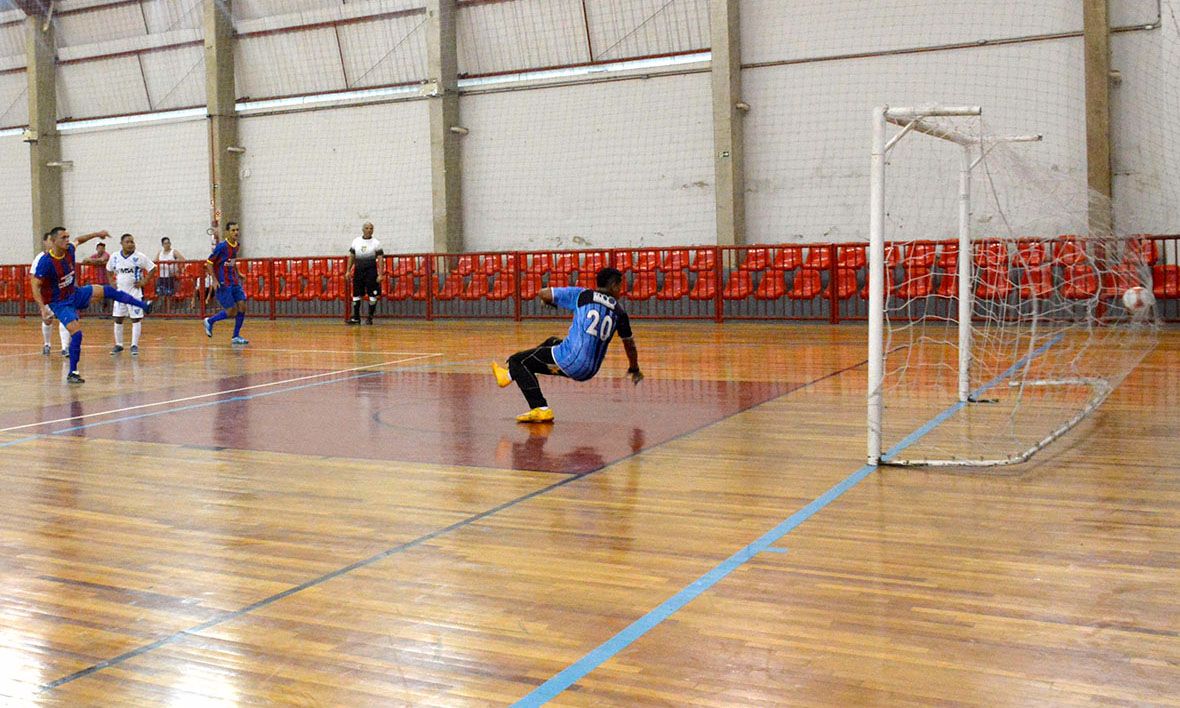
(444, 418)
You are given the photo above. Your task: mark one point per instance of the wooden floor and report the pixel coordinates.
(349, 516)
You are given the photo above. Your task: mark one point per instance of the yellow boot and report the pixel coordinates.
(536, 415)
(503, 378)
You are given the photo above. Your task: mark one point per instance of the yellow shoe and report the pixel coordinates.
(503, 378)
(536, 415)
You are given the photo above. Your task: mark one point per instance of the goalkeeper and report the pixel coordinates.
(597, 316)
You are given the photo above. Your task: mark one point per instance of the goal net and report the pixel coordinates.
(1001, 311)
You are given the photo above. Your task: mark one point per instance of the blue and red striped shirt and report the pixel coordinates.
(56, 275)
(223, 260)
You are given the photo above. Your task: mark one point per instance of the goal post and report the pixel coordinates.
(1031, 218)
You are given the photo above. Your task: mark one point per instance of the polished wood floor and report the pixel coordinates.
(349, 516)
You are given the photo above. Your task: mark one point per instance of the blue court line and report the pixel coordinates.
(579, 669)
(181, 634)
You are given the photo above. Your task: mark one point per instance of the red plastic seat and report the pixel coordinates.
(818, 258)
(920, 254)
(772, 286)
(807, 285)
(788, 258)
(1119, 279)
(530, 286)
(477, 288)
(623, 261)
(564, 264)
(1036, 282)
(644, 286)
(1030, 254)
(504, 287)
(992, 255)
(916, 281)
(451, 287)
(675, 285)
(1142, 248)
(540, 264)
(465, 265)
(588, 273)
(851, 257)
(1166, 281)
(307, 284)
(756, 259)
(336, 283)
(491, 264)
(675, 260)
(401, 289)
(397, 266)
(647, 261)
(845, 282)
(1079, 282)
(705, 259)
(993, 284)
(257, 285)
(739, 285)
(706, 286)
(1068, 251)
(948, 284)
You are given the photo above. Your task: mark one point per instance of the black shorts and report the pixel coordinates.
(166, 285)
(364, 282)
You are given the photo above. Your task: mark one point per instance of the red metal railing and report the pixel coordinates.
(802, 282)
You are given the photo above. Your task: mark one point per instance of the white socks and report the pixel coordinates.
(136, 328)
(118, 335)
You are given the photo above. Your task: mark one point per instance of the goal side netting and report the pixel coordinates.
(1002, 312)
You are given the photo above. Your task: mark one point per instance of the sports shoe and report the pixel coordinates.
(65, 352)
(369, 320)
(134, 350)
(208, 327)
(45, 350)
(116, 349)
(239, 340)
(147, 306)
(536, 415)
(74, 378)
(352, 321)
(503, 378)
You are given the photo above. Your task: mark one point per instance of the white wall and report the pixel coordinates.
(808, 133)
(151, 181)
(609, 164)
(16, 217)
(309, 180)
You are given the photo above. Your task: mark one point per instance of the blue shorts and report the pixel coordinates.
(67, 310)
(230, 295)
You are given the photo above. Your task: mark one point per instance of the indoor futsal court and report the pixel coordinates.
(363, 523)
(703, 353)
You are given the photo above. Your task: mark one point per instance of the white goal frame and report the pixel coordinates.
(973, 149)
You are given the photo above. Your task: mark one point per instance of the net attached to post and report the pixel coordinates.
(1004, 318)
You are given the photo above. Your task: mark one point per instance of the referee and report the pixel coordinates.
(364, 265)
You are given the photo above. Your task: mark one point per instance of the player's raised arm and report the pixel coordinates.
(547, 297)
(79, 240)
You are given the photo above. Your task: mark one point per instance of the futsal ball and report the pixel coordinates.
(1138, 300)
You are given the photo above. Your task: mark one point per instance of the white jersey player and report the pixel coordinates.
(47, 325)
(129, 270)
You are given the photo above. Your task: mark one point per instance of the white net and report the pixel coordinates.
(1059, 311)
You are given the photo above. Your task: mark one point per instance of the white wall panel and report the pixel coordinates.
(808, 132)
(118, 22)
(1145, 130)
(289, 63)
(310, 179)
(12, 39)
(103, 87)
(519, 35)
(623, 163)
(14, 99)
(16, 217)
(168, 15)
(634, 28)
(175, 77)
(254, 9)
(383, 52)
(151, 181)
(796, 29)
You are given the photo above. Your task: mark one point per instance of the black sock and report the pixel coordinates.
(356, 309)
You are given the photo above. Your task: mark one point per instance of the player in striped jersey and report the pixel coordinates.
(223, 265)
(597, 316)
(54, 291)
(128, 270)
(47, 324)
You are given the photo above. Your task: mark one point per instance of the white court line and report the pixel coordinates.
(215, 393)
(215, 348)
